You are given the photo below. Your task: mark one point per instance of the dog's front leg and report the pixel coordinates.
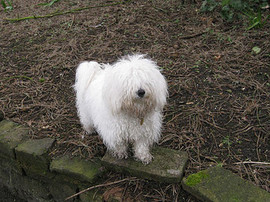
(142, 151)
(120, 150)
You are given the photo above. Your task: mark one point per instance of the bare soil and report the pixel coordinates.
(219, 104)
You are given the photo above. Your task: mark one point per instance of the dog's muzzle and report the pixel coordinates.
(141, 93)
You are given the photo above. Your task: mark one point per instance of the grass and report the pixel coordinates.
(256, 20)
(49, 3)
(230, 10)
(7, 5)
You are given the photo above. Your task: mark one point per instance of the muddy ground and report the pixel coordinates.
(218, 107)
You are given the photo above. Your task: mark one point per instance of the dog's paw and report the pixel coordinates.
(145, 158)
(89, 130)
(120, 154)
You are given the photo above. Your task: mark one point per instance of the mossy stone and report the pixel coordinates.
(92, 195)
(23, 186)
(196, 178)
(36, 147)
(61, 190)
(33, 156)
(167, 166)
(10, 164)
(6, 126)
(1, 115)
(11, 134)
(218, 184)
(80, 169)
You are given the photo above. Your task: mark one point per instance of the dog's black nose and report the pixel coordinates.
(141, 93)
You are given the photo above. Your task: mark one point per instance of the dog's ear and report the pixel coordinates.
(163, 94)
(112, 92)
(161, 90)
(113, 103)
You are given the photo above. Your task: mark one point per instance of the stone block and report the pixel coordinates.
(9, 164)
(5, 175)
(11, 134)
(8, 196)
(31, 189)
(167, 166)
(24, 187)
(1, 115)
(33, 156)
(218, 184)
(92, 195)
(85, 171)
(60, 190)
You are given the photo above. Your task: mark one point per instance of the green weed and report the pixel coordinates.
(236, 9)
(209, 5)
(229, 39)
(256, 49)
(41, 80)
(226, 141)
(256, 20)
(7, 5)
(48, 4)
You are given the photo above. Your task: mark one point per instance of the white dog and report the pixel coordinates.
(123, 102)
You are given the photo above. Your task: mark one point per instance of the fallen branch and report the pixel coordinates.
(63, 12)
(100, 185)
(253, 162)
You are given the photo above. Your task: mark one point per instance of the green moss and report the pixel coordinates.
(36, 147)
(6, 126)
(196, 178)
(11, 134)
(219, 184)
(76, 167)
(235, 199)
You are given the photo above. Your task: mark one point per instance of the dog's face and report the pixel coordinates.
(135, 86)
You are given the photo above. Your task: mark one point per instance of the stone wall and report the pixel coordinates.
(28, 172)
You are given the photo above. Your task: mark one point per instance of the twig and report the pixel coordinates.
(64, 12)
(173, 118)
(192, 36)
(100, 185)
(252, 162)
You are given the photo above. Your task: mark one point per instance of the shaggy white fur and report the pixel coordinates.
(123, 102)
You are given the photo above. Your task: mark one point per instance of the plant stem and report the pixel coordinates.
(63, 12)
(19, 76)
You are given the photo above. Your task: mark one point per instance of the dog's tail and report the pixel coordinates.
(85, 73)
